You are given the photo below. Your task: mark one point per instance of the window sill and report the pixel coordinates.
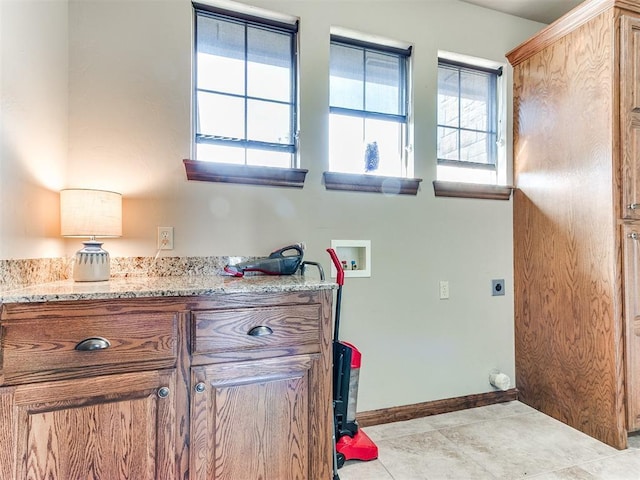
(371, 183)
(244, 174)
(471, 190)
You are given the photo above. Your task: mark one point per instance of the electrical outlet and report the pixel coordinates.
(497, 287)
(165, 238)
(444, 289)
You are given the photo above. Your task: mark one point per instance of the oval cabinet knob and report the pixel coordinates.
(633, 236)
(163, 392)
(260, 331)
(93, 343)
(200, 387)
(633, 206)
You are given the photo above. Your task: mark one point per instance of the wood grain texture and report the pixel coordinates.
(630, 207)
(108, 427)
(567, 24)
(42, 422)
(283, 400)
(182, 391)
(631, 253)
(558, 29)
(31, 346)
(568, 297)
(79, 308)
(630, 115)
(8, 441)
(253, 420)
(250, 300)
(227, 330)
(321, 402)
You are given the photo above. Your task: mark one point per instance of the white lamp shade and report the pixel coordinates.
(88, 213)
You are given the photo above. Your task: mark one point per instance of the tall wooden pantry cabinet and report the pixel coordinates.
(577, 219)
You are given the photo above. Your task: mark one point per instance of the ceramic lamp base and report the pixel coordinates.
(92, 263)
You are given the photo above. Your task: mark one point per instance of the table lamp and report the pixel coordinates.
(90, 213)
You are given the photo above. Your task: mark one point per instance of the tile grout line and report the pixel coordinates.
(488, 422)
(471, 459)
(595, 460)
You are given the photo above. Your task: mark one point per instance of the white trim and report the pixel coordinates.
(243, 8)
(370, 38)
(461, 58)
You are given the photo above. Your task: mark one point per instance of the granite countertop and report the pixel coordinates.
(166, 286)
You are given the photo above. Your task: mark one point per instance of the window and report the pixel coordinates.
(369, 103)
(245, 99)
(469, 137)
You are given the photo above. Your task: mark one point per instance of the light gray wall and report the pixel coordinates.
(129, 65)
(33, 125)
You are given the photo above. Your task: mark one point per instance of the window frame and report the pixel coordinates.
(219, 171)
(336, 180)
(498, 189)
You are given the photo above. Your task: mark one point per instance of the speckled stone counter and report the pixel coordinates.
(24, 272)
(167, 286)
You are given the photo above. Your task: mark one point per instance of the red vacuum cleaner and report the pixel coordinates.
(351, 442)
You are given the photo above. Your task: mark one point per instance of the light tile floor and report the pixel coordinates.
(498, 442)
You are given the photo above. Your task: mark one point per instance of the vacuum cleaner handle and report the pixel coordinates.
(280, 253)
(338, 265)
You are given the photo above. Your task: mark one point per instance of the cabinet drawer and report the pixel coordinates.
(246, 329)
(51, 345)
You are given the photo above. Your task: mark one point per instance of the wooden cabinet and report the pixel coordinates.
(242, 333)
(630, 115)
(221, 387)
(631, 255)
(115, 426)
(35, 348)
(92, 393)
(260, 401)
(253, 419)
(577, 173)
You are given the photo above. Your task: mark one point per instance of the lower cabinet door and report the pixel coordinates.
(253, 420)
(631, 255)
(108, 427)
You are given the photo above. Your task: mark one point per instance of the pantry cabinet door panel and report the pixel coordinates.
(631, 253)
(630, 116)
